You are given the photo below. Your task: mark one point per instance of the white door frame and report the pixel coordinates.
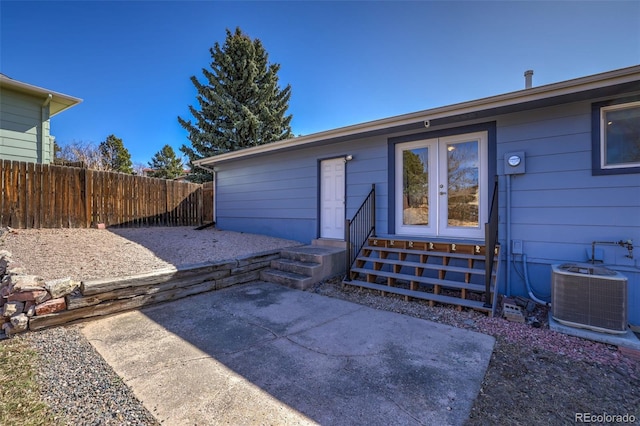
(438, 198)
(332, 198)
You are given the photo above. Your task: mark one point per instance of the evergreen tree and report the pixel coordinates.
(115, 156)
(240, 102)
(166, 164)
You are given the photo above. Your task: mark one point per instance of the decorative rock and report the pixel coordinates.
(4, 262)
(19, 283)
(43, 297)
(31, 310)
(7, 327)
(15, 269)
(20, 322)
(51, 306)
(60, 287)
(38, 296)
(4, 292)
(12, 308)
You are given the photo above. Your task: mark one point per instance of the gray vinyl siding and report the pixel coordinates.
(558, 206)
(22, 130)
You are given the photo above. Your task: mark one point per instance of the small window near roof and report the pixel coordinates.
(618, 139)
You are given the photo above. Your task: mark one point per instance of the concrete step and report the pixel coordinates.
(288, 279)
(296, 266)
(302, 267)
(329, 242)
(311, 254)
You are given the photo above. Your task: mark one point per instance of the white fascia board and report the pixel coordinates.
(567, 87)
(59, 101)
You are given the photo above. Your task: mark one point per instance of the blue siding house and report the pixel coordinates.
(565, 156)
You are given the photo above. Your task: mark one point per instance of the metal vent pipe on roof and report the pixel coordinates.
(528, 79)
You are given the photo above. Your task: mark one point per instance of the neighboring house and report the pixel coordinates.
(566, 157)
(25, 113)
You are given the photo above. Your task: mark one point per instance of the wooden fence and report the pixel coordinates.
(48, 196)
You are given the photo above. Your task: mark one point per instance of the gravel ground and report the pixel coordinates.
(535, 376)
(79, 386)
(86, 254)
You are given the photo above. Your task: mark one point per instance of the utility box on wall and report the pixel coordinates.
(514, 163)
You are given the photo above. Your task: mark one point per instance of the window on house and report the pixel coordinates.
(617, 133)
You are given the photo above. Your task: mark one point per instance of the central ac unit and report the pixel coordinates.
(588, 296)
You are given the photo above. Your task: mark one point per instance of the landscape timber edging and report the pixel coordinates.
(108, 296)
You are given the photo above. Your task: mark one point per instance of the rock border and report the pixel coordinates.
(29, 302)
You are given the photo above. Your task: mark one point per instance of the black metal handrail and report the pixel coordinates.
(360, 228)
(491, 240)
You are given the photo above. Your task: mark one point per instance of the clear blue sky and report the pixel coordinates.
(347, 62)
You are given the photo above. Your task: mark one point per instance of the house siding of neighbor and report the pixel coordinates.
(25, 113)
(562, 202)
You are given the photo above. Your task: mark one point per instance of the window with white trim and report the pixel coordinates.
(617, 133)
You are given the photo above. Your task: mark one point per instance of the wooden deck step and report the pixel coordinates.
(426, 269)
(454, 255)
(439, 298)
(432, 266)
(458, 285)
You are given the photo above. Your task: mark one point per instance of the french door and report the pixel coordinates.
(441, 186)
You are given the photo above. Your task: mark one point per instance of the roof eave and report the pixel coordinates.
(567, 87)
(59, 101)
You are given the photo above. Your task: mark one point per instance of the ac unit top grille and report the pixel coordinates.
(586, 269)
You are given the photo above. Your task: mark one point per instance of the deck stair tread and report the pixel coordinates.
(426, 252)
(474, 304)
(434, 266)
(447, 266)
(422, 280)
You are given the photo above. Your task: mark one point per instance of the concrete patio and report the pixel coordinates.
(261, 353)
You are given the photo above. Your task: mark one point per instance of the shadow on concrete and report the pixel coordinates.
(260, 353)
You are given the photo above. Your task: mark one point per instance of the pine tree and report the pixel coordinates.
(241, 104)
(166, 164)
(115, 156)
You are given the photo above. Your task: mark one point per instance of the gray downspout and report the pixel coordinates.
(508, 233)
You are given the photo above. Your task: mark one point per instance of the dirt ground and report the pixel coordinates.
(536, 376)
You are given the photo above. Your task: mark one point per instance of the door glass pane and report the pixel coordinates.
(463, 184)
(415, 187)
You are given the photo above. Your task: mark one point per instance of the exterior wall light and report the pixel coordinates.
(348, 157)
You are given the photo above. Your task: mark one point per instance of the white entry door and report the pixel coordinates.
(332, 183)
(441, 186)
